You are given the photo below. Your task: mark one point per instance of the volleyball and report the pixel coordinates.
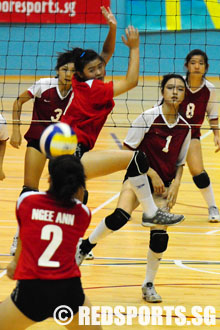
(57, 140)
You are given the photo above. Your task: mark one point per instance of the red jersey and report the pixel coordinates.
(197, 104)
(49, 234)
(49, 105)
(164, 144)
(88, 108)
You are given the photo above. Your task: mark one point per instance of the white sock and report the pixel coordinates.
(153, 262)
(141, 187)
(100, 232)
(208, 195)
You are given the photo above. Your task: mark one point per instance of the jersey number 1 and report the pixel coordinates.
(168, 139)
(44, 260)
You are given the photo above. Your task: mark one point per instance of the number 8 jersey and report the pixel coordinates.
(49, 234)
(197, 103)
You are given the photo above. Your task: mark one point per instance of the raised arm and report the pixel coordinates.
(15, 139)
(109, 44)
(131, 78)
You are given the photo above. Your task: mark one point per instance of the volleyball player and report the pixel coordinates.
(3, 139)
(51, 96)
(46, 272)
(200, 100)
(165, 137)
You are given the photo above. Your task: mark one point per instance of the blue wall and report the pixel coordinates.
(31, 49)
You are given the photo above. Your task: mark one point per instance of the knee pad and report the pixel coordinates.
(26, 189)
(117, 219)
(138, 165)
(85, 197)
(202, 180)
(158, 240)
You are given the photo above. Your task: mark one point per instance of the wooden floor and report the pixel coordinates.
(189, 274)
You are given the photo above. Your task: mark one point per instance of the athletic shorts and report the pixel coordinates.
(34, 144)
(37, 299)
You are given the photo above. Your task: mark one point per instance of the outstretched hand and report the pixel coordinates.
(110, 18)
(132, 35)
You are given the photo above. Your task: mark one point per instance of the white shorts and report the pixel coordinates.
(3, 129)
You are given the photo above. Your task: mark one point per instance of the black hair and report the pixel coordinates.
(195, 52)
(67, 176)
(168, 77)
(86, 56)
(68, 57)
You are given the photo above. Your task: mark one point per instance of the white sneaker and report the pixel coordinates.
(89, 256)
(80, 256)
(14, 245)
(214, 215)
(162, 218)
(149, 293)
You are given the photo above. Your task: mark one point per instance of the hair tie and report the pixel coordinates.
(82, 54)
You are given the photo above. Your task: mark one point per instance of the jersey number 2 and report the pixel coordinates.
(44, 260)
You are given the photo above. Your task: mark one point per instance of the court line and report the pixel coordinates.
(180, 264)
(212, 232)
(3, 273)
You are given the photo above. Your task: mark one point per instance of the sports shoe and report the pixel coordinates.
(89, 256)
(14, 245)
(162, 218)
(214, 214)
(149, 293)
(80, 256)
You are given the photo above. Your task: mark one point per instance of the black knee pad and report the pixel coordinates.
(117, 219)
(158, 240)
(26, 189)
(138, 165)
(202, 180)
(85, 197)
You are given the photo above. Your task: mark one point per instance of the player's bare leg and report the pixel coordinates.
(201, 178)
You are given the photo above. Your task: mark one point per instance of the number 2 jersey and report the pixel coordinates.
(164, 144)
(197, 104)
(49, 234)
(48, 107)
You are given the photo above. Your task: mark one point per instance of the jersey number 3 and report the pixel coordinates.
(44, 260)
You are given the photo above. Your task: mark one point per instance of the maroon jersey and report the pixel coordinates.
(164, 144)
(197, 104)
(88, 108)
(49, 234)
(49, 105)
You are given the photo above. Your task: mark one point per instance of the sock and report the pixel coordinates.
(153, 262)
(141, 187)
(100, 232)
(208, 195)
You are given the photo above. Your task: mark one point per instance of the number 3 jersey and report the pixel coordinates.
(164, 144)
(197, 103)
(49, 234)
(48, 107)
